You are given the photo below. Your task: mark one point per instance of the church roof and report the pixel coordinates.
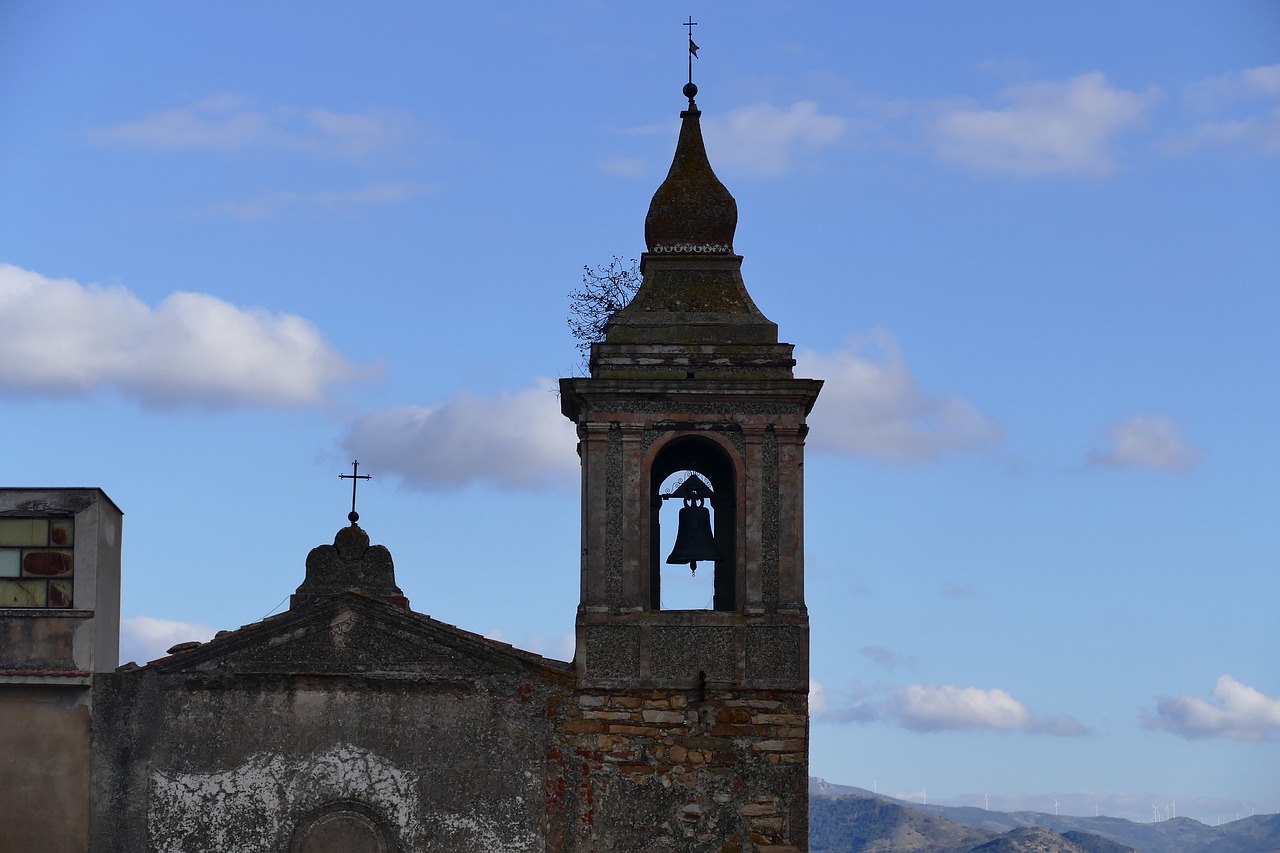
(352, 634)
(348, 617)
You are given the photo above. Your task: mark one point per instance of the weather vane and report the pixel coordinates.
(690, 90)
(355, 477)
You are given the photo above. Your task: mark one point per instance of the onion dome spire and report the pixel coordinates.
(692, 211)
(692, 300)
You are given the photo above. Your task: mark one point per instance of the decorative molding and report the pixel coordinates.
(660, 407)
(613, 510)
(769, 520)
(692, 249)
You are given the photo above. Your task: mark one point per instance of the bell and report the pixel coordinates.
(694, 540)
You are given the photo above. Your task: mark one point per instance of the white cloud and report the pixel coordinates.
(767, 139)
(267, 205)
(942, 707)
(562, 648)
(516, 439)
(1237, 711)
(60, 337)
(1213, 93)
(1147, 441)
(227, 122)
(1240, 91)
(872, 406)
(853, 706)
(818, 701)
(145, 638)
(1262, 131)
(1045, 127)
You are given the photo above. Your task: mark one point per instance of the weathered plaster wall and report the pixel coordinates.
(199, 763)
(44, 769)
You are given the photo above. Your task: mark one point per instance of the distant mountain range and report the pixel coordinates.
(846, 819)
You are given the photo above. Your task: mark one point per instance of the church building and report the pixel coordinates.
(350, 722)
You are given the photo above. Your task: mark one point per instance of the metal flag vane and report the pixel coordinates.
(690, 90)
(355, 477)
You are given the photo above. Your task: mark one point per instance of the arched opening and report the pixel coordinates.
(342, 827)
(673, 468)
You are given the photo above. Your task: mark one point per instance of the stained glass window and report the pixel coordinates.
(37, 562)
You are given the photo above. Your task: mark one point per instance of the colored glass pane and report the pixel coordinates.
(59, 594)
(46, 564)
(24, 531)
(10, 562)
(21, 593)
(62, 532)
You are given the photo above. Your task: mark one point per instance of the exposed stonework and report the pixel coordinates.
(675, 770)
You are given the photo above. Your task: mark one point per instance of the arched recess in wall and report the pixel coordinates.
(342, 827)
(713, 463)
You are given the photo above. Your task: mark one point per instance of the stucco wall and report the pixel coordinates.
(44, 769)
(198, 762)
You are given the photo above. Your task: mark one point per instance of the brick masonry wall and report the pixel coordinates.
(671, 770)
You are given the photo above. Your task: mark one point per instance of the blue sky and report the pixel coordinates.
(1031, 248)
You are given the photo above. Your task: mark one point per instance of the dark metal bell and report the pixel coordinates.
(694, 540)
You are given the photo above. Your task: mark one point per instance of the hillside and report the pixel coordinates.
(846, 819)
(851, 824)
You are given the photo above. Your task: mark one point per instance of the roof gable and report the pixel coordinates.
(352, 634)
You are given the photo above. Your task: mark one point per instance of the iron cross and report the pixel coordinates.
(355, 477)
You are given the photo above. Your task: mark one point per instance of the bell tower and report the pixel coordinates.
(690, 377)
(692, 400)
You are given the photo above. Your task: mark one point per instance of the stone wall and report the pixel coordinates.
(680, 770)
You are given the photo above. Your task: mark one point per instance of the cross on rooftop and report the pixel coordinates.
(355, 476)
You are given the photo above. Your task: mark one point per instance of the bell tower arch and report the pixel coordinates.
(707, 520)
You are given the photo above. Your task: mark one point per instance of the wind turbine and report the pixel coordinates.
(986, 801)
(1055, 805)
(1155, 811)
(924, 797)
(1095, 809)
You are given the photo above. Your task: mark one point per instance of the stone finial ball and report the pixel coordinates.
(690, 90)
